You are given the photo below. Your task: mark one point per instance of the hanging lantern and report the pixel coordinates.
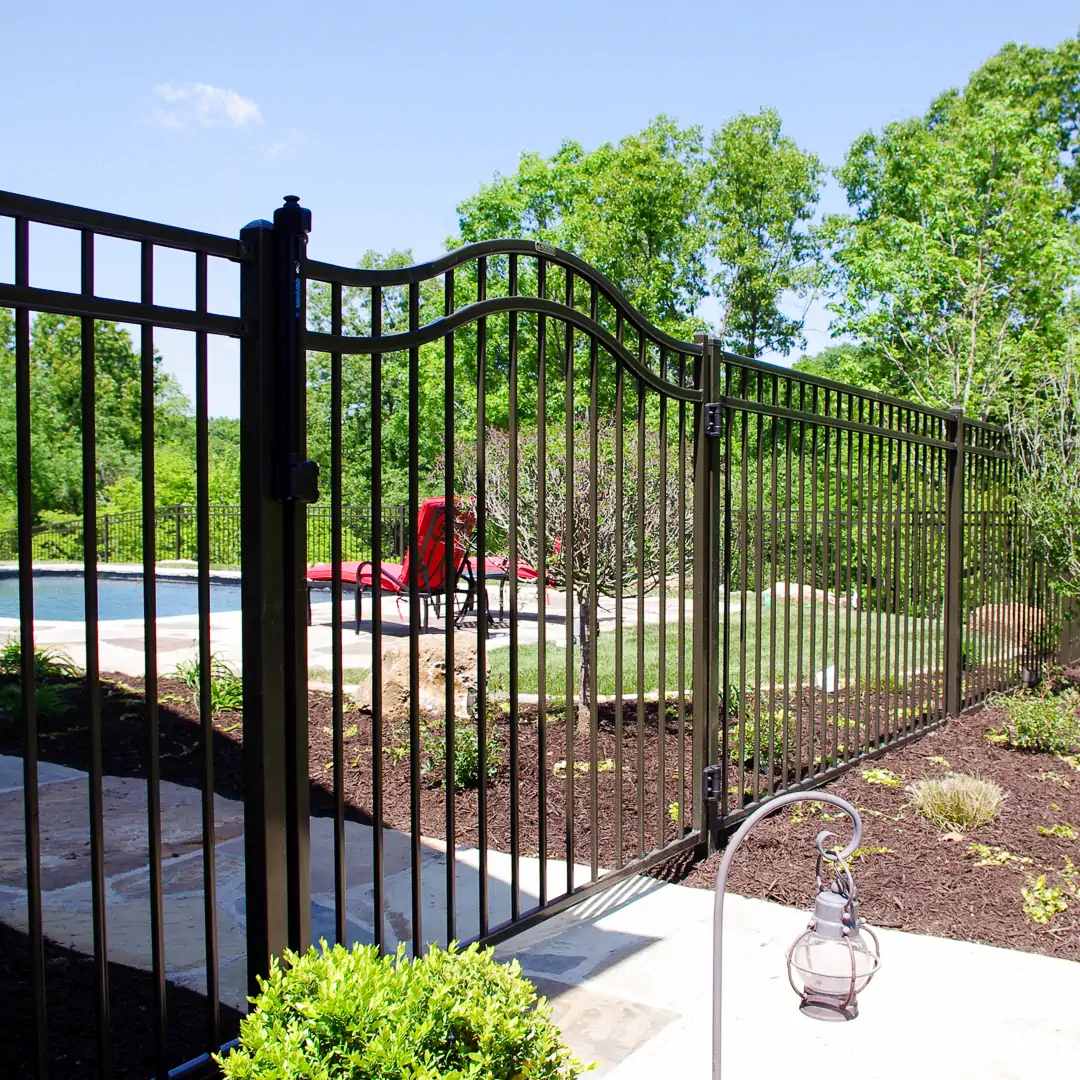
(834, 959)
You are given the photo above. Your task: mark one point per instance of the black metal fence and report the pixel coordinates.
(723, 580)
(120, 536)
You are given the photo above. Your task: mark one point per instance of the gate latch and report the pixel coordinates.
(712, 778)
(300, 480)
(714, 418)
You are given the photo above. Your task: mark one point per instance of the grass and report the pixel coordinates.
(958, 802)
(909, 646)
(226, 687)
(349, 675)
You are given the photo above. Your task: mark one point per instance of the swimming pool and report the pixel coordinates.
(60, 596)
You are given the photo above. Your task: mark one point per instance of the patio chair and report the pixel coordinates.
(394, 577)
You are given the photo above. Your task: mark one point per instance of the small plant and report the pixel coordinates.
(935, 759)
(582, 768)
(1043, 902)
(674, 811)
(48, 663)
(802, 810)
(752, 735)
(1063, 832)
(958, 803)
(830, 757)
(466, 753)
(50, 701)
(865, 852)
(340, 1014)
(226, 687)
(885, 777)
(996, 856)
(1041, 722)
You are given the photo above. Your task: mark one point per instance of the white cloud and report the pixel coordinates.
(203, 104)
(291, 140)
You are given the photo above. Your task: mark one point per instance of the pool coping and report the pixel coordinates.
(124, 570)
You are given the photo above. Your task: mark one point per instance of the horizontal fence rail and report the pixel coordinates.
(637, 587)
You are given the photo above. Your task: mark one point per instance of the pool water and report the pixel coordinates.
(60, 597)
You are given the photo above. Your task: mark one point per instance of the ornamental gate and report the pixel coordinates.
(584, 596)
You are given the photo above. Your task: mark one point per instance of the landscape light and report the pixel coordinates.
(831, 961)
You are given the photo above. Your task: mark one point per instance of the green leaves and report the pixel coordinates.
(761, 195)
(666, 217)
(337, 1014)
(955, 263)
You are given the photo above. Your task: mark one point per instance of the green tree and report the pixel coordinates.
(633, 209)
(857, 365)
(761, 196)
(1046, 431)
(56, 418)
(955, 264)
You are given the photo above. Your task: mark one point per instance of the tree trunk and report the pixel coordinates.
(586, 619)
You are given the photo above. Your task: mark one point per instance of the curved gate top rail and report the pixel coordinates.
(545, 254)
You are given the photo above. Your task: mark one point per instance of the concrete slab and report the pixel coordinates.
(938, 1008)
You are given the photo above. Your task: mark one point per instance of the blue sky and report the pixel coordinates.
(382, 117)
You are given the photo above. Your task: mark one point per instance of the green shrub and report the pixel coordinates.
(466, 752)
(51, 701)
(339, 1014)
(226, 687)
(1042, 722)
(48, 663)
(769, 724)
(957, 802)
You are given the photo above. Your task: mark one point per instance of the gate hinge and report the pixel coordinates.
(712, 779)
(714, 418)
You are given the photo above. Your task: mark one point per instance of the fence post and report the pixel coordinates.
(954, 564)
(276, 825)
(705, 565)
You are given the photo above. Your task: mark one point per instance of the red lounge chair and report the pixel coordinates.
(394, 577)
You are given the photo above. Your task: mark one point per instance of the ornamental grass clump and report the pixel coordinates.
(957, 802)
(340, 1014)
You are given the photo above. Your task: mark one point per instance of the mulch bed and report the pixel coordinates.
(914, 876)
(910, 876)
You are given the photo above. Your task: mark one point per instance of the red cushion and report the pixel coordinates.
(324, 572)
(392, 574)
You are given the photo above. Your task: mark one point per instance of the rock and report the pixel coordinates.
(1005, 622)
(432, 672)
(800, 593)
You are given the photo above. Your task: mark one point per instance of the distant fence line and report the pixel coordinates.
(120, 536)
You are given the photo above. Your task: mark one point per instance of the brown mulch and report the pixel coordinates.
(914, 876)
(910, 876)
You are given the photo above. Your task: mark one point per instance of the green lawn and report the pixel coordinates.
(908, 643)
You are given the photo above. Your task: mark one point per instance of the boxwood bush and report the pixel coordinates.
(341, 1014)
